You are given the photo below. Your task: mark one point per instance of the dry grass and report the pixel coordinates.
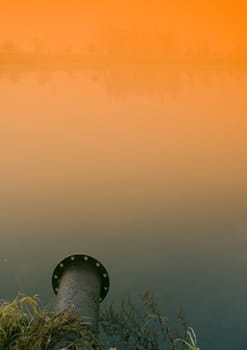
(24, 326)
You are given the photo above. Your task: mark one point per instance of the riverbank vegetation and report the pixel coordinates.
(24, 325)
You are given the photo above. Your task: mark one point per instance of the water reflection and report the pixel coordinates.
(94, 161)
(122, 80)
(125, 60)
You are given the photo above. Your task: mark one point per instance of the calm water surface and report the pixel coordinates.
(144, 168)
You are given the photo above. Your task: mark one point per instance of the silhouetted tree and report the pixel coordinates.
(8, 46)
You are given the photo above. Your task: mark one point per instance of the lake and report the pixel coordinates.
(142, 166)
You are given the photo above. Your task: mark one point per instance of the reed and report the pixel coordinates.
(25, 326)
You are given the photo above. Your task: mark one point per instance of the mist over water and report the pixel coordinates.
(141, 165)
(150, 179)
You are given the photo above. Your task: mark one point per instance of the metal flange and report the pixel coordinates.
(77, 260)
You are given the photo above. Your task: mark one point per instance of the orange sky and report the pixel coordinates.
(215, 25)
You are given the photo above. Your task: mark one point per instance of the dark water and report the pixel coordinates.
(142, 167)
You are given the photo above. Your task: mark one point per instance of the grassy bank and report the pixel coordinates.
(25, 326)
